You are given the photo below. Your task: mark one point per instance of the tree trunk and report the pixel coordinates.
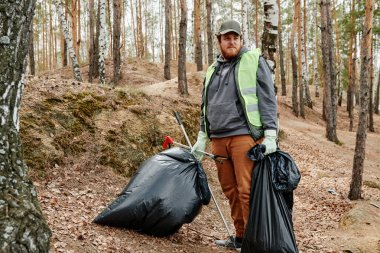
(361, 134)
(270, 32)
(371, 127)
(197, 35)
(245, 27)
(309, 102)
(91, 51)
(338, 60)
(282, 66)
(377, 93)
(210, 36)
(102, 42)
(32, 64)
(294, 70)
(182, 81)
(316, 78)
(257, 23)
(351, 69)
(116, 40)
(69, 41)
(73, 14)
(300, 55)
(328, 53)
(167, 39)
(134, 30)
(23, 227)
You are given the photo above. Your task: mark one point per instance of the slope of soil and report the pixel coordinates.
(83, 142)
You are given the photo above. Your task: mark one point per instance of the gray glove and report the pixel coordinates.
(199, 146)
(270, 141)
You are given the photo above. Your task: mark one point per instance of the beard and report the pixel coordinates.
(229, 53)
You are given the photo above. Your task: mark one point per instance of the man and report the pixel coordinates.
(238, 109)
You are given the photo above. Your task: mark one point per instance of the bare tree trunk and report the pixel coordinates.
(338, 60)
(182, 81)
(134, 29)
(351, 69)
(210, 48)
(257, 23)
(361, 134)
(167, 39)
(371, 127)
(301, 74)
(197, 35)
(315, 76)
(23, 227)
(91, 52)
(377, 93)
(281, 53)
(32, 64)
(102, 42)
(116, 40)
(329, 69)
(294, 71)
(270, 33)
(69, 41)
(309, 102)
(245, 27)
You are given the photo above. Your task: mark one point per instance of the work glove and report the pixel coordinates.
(270, 141)
(199, 146)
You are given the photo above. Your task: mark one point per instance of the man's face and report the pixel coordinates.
(230, 45)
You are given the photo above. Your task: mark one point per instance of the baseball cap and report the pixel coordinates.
(229, 26)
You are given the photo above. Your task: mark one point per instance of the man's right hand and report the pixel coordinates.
(199, 146)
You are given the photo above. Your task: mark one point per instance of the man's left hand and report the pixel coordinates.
(270, 141)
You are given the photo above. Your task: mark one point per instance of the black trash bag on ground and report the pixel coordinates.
(269, 228)
(167, 191)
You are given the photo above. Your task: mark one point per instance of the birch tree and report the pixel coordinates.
(361, 134)
(69, 40)
(102, 41)
(182, 81)
(270, 32)
(23, 227)
(244, 24)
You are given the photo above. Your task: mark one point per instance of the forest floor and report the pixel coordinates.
(75, 184)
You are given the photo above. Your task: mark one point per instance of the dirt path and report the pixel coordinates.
(73, 195)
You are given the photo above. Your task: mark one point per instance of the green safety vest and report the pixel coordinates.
(245, 79)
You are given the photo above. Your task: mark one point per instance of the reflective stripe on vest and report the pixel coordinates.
(246, 85)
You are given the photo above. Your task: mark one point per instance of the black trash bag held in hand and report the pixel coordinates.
(269, 228)
(167, 191)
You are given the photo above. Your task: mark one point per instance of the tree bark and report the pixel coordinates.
(102, 42)
(309, 102)
(328, 53)
(197, 35)
(23, 227)
(270, 32)
(300, 55)
(116, 40)
(294, 66)
(182, 80)
(315, 61)
(245, 27)
(167, 39)
(377, 93)
(281, 52)
(210, 36)
(361, 134)
(32, 64)
(351, 68)
(91, 51)
(69, 41)
(371, 127)
(257, 23)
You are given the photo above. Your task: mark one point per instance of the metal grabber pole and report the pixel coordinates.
(212, 194)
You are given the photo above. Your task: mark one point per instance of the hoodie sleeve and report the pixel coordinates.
(266, 96)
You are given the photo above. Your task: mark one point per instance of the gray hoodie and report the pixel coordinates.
(225, 114)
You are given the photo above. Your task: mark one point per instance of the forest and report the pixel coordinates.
(78, 81)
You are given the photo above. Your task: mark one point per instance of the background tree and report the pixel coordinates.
(32, 64)
(361, 134)
(23, 227)
(167, 39)
(116, 40)
(330, 100)
(69, 40)
(102, 41)
(281, 52)
(294, 64)
(92, 60)
(210, 36)
(197, 35)
(270, 32)
(182, 81)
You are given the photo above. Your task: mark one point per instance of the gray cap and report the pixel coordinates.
(229, 26)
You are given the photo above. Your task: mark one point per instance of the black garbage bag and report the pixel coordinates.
(269, 228)
(167, 191)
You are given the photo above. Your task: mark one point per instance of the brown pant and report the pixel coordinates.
(235, 175)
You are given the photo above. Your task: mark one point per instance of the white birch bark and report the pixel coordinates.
(245, 26)
(270, 31)
(69, 40)
(102, 41)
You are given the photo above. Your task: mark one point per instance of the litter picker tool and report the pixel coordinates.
(212, 194)
(169, 141)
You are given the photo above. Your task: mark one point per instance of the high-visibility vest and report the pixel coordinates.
(246, 85)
